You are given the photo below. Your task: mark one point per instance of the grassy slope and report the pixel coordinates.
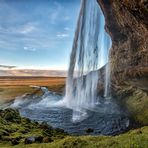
(133, 139)
(12, 127)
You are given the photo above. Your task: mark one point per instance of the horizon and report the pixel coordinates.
(14, 72)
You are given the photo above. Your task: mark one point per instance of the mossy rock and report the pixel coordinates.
(47, 139)
(15, 129)
(11, 115)
(137, 105)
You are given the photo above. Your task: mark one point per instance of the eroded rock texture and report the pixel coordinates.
(127, 24)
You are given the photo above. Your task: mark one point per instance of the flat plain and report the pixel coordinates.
(11, 87)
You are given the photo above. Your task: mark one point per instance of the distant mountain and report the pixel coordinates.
(31, 72)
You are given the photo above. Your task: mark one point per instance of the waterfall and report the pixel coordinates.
(89, 53)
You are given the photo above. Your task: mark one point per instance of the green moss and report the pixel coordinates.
(133, 139)
(137, 105)
(15, 129)
(135, 101)
(12, 133)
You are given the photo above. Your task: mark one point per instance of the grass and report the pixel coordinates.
(12, 127)
(133, 139)
(26, 81)
(11, 87)
(8, 93)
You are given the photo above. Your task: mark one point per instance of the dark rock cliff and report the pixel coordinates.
(127, 24)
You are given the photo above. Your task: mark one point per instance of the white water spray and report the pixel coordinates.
(89, 53)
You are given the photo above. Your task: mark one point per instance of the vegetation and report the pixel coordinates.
(19, 132)
(11, 87)
(15, 130)
(8, 93)
(137, 105)
(135, 101)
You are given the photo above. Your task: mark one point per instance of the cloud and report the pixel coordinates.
(29, 48)
(26, 28)
(33, 72)
(62, 35)
(7, 66)
(58, 13)
(66, 18)
(55, 12)
(67, 28)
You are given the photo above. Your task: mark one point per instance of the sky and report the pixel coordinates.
(37, 34)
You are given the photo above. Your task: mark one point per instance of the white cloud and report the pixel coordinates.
(62, 35)
(27, 28)
(29, 49)
(67, 28)
(58, 13)
(55, 12)
(20, 29)
(66, 18)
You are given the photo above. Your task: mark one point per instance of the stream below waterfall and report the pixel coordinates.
(105, 119)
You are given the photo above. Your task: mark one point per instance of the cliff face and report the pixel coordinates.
(127, 24)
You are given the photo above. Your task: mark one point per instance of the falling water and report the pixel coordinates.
(89, 53)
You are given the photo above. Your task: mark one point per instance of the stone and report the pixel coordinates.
(44, 125)
(89, 130)
(47, 140)
(29, 140)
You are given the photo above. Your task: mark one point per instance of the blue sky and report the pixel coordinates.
(37, 34)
